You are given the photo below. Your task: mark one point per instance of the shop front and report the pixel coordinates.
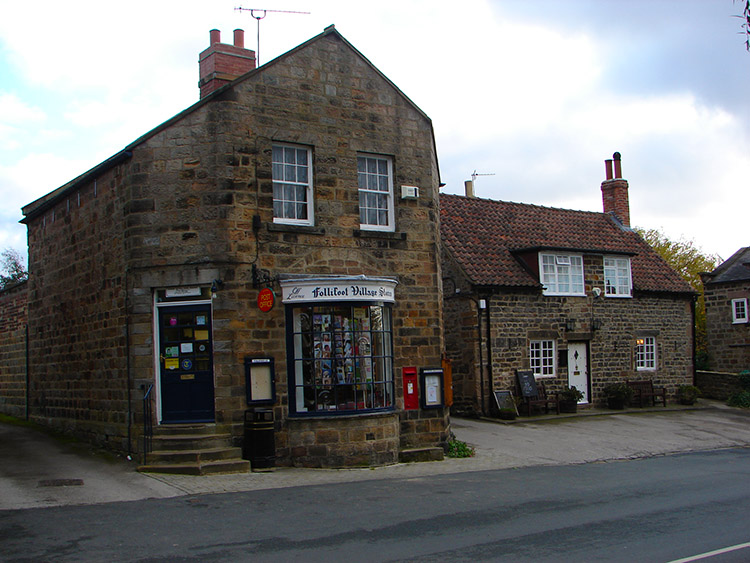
(340, 358)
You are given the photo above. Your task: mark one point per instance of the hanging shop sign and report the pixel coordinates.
(266, 299)
(354, 288)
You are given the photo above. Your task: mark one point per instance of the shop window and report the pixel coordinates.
(645, 353)
(542, 358)
(375, 180)
(292, 185)
(341, 358)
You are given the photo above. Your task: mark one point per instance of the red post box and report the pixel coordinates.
(411, 390)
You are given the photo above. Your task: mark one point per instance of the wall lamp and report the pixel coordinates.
(570, 325)
(215, 286)
(596, 324)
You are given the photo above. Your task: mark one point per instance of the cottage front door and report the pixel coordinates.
(578, 368)
(186, 363)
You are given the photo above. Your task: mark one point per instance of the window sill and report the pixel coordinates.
(363, 233)
(328, 415)
(302, 229)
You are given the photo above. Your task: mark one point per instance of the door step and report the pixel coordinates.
(193, 449)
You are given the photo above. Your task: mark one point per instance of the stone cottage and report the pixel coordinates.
(577, 297)
(274, 246)
(726, 292)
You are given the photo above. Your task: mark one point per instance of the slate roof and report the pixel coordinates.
(485, 236)
(736, 268)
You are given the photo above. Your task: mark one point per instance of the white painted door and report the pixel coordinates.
(578, 368)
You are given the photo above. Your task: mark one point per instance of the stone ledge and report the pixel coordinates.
(421, 454)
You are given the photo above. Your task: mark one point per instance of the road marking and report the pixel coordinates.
(713, 553)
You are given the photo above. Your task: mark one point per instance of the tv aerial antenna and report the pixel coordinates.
(475, 174)
(259, 14)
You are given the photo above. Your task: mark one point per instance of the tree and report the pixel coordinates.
(745, 17)
(12, 269)
(689, 261)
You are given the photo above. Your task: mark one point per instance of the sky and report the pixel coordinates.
(531, 95)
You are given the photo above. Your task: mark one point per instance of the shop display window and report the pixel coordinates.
(342, 358)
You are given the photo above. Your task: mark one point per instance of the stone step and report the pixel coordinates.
(204, 468)
(190, 429)
(191, 442)
(168, 457)
(421, 454)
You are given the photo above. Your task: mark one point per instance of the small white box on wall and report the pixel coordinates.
(409, 192)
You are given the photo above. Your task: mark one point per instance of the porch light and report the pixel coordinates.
(570, 325)
(215, 285)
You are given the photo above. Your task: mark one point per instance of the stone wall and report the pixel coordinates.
(518, 317)
(77, 324)
(717, 385)
(728, 344)
(370, 440)
(13, 320)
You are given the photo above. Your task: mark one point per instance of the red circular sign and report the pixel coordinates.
(266, 299)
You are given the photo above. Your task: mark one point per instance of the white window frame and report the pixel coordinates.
(557, 269)
(618, 280)
(288, 177)
(739, 311)
(542, 358)
(374, 184)
(645, 353)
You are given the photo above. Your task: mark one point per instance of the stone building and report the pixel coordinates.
(274, 246)
(13, 371)
(578, 297)
(726, 291)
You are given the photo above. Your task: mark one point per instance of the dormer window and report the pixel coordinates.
(617, 278)
(561, 274)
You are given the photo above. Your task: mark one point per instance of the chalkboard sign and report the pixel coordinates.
(526, 382)
(504, 400)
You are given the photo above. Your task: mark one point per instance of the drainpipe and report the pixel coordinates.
(28, 372)
(484, 304)
(481, 356)
(127, 365)
(692, 315)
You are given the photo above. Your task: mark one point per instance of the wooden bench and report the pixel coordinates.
(542, 400)
(645, 394)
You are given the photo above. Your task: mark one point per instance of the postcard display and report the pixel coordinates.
(345, 358)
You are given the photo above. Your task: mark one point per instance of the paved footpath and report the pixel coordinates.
(37, 471)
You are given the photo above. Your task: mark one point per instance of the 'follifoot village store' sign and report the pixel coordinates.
(338, 289)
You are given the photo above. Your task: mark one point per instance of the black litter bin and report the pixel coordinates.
(259, 445)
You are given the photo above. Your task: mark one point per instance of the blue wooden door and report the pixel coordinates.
(186, 364)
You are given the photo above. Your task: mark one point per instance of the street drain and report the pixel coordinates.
(61, 483)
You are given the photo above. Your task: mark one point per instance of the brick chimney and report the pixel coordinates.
(220, 63)
(615, 191)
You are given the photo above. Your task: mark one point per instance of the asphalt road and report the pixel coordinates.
(655, 509)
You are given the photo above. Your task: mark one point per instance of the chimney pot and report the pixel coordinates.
(215, 36)
(239, 38)
(618, 165)
(469, 186)
(608, 168)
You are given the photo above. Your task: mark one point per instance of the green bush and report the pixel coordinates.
(457, 448)
(740, 399)
(744, 380)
